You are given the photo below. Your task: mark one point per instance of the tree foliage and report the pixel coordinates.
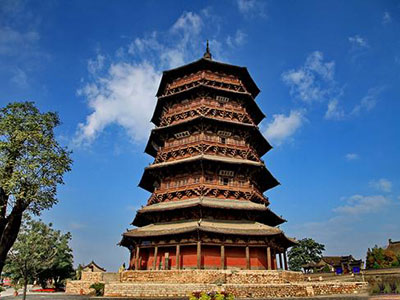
(39, 252)
(32, 164)
(307, 250)
(62, 266)
(378, 258)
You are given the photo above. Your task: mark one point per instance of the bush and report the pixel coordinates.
(99, 288)
(398, 288)
(211, 296)
(374, 289)
(2, 289)
(387, 289)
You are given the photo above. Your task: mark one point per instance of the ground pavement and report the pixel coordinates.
(62, 296)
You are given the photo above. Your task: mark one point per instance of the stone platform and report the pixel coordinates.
(180, 283)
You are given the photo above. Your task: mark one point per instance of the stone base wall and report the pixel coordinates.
(239, 290)
(92, 276)
(79, 287)
(242, 284)
(212, 276)
(263, 277)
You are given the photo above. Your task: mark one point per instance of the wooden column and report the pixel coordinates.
(137, 266)
(222, 257)
(178, 257)
(132, 260)
(247, 258)
(280, 261)
(269, 262)
(275, 265)
(198, 255)
(285, 260)
(155, 258)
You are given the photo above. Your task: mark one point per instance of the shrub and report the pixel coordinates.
(204, 296)
(375, 289)
(387, 289)
(392, 287)
(398, 288)
(99, 288)
(211, 296)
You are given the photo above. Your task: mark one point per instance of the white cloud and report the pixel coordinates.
(96, 65)
(368, 102)
(125, 96)
(20, 78)
(123, 92)
(382, 184)
(334, 111)
(250, 8)
(13, 42)
(283, 127)
(358, 42)
(313, 81)
(386, 19)
(188, 23)
(352, 156)
(358, 204)
(238, 40)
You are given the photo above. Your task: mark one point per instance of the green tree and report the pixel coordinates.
(37, 249)
(379, 257)
(32, 164)
(62, 266)
(307, 250)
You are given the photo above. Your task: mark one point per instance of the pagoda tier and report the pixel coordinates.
(206, 244)
(226, 134)
(207, 208)
(202, 97)
(204, 175)
(210, 73)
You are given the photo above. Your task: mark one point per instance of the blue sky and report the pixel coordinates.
(329, 74)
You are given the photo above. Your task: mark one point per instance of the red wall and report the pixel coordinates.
(235, 257)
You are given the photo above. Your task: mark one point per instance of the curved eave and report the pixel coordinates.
(256, 112)
(266, 180)
(207, 64)
(143, 215)
(154, 140)
(254, 229)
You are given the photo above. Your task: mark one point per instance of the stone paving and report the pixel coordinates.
(62, 296)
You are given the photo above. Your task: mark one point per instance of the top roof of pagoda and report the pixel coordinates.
(206, 63)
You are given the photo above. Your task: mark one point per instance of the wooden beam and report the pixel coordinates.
(198, 255)
(155, 257)
(247, 258)
(178, 257)
(222, 257)
(269, 262)
(285, 260)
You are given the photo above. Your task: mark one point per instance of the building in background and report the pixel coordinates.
(338, 264)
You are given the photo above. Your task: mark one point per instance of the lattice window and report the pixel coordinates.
(226, 173)
(182, 134)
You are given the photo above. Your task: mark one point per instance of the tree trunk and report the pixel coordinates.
(25, 288)
(10, 233)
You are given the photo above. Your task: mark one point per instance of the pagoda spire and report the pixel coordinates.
(207, 54)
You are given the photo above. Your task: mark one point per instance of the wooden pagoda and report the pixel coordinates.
(207, 209)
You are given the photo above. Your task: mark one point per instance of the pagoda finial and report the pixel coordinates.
(207, 54)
